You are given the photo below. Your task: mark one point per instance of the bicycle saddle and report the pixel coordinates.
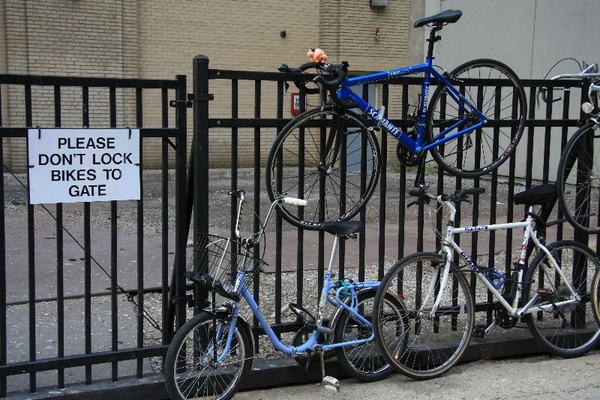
(445, 17)
(537, 195)
(340, 227)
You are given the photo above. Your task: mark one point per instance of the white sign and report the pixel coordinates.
(83, 165)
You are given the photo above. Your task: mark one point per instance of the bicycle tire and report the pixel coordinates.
(306, 162)
(433, 344)
(573, 329)
(577, 180)
(501, 99)
(364, 362)
(596, 295)
(193, 375)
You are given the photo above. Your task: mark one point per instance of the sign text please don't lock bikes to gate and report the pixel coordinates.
(82, 165)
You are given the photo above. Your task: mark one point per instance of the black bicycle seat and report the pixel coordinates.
(537, 195)
(341, 227)
(445, 17)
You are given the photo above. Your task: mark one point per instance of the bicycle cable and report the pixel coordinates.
(542, 89)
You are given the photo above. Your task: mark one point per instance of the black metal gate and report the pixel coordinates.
(84, 286)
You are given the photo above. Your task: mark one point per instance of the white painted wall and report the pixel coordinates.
(527, 35)
(530, 36)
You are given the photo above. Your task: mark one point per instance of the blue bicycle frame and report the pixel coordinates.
(345, 93)
(351, 305)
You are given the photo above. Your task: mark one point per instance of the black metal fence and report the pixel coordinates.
(91, 293)
(392, 230)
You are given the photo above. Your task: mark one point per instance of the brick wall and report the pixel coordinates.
(159, 39)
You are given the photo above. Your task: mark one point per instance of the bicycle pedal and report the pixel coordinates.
(546, 294)
(331, 383)
(479, 331)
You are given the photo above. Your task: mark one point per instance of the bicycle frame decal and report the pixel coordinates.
(418, 145)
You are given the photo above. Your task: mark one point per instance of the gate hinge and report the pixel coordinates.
(202, 97)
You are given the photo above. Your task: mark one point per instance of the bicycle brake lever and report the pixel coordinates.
(414, 203)
(542, 93)
(424, 199)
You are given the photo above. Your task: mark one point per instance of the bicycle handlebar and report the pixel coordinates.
(589, 72)
(294, 201)
(240, 195)
(339, 73)
(330, 81)
(302, 68)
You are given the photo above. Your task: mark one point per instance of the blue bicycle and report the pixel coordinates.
(330, 155)
(212, 352)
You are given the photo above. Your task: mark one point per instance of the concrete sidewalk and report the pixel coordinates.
(538, 377)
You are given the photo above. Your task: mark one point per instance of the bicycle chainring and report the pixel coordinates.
(503, 319)
(406, 156)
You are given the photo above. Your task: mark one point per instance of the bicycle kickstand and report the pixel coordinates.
(328, 382)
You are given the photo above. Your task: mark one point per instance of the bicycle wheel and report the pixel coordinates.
(328, 158)
(596, 295)
(568, 329)
(578, 180)
(497, 92)
(433, 341)
(191, 369)
(364, 361)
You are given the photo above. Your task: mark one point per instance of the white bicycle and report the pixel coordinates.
(556, 294)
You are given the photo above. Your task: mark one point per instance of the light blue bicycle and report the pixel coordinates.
(331, 156)
(214, 350)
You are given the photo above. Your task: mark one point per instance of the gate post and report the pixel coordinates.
(199, 159)
(182, 218)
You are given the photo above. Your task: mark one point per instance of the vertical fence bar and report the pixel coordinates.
(31, 256)
(164, 261)
(256, 189)
(114, 311)
(3, 328)
(139, 106)
(87, 245)
(234, 150)
(200, 155)
(87, 253)
(60, 292)
(182, 220)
